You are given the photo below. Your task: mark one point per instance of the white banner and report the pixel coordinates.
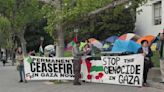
(122, 70)
(45, 68)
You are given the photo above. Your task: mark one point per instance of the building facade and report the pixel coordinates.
(150, 18)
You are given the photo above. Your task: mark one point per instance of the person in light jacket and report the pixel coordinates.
(20, 64)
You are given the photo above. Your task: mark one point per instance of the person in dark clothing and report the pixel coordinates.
(160, 48)
(3, 58)
(76, 63)
(146, 51)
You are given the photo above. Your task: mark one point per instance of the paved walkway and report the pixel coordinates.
(9, 83)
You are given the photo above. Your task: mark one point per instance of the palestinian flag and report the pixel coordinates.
(94, 69)
(29, 59)
(71, 44)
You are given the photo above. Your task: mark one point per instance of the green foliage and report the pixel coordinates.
(4, 32)
(6, 8)
(33, 33)
(27, 11)
(19, 14)
(70, 12)
(114, 21)
(4, 23)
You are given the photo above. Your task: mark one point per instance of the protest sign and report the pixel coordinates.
(122, 70)
(45, 68)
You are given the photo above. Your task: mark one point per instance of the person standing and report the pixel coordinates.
(20, 64)
(3, 58)
(91, 48)
(147, 53)
(87, 49)
(76, 63)
(160, 48)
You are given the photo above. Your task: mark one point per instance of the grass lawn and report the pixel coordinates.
(68, 54)
(155, 58)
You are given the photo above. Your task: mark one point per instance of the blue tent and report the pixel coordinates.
(125, 46)
(111, 39)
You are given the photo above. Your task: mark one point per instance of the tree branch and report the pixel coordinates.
(113, 4)
(91, 15)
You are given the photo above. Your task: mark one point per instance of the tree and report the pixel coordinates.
(27, 11)
(33, 32)
(20, 13)
(4, 31)
(115, 21)
(5, 36)
(64, 13)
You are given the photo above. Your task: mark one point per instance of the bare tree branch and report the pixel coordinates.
(113, 4)
(93, 14)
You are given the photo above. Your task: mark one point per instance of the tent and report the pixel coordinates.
(111, 39)
(125, 46)
(129, 36)
(149, 38)
(96, 43)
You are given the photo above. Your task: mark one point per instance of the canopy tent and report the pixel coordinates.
(149, 38)
(111, 39)
(129, 36)
(92, 39)
(125, 46)
(96, 43)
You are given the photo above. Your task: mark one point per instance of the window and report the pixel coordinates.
(157, 13)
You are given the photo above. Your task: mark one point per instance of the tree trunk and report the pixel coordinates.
(23, 42)
(60, 41)
(0, 54)
(13, 56)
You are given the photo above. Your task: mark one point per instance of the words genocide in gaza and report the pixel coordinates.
(128, 72)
